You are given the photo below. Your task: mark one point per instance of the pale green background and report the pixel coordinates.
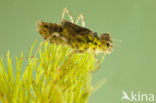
(131, 66)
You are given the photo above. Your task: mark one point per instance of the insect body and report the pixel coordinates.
(75, 36)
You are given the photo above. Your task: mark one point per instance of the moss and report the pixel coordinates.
(57, 76)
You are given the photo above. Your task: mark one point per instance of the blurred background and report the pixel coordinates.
(132, 24)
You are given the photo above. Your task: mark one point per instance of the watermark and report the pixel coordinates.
(137, 96)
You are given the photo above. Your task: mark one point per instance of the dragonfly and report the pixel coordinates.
(77, 37)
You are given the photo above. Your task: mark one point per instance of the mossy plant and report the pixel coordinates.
(57, 75)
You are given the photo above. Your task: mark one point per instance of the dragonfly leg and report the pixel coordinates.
(80, 17)
(65, 10)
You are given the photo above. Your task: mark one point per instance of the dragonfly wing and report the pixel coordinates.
(75, 28)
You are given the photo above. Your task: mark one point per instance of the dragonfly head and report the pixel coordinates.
(106, 43)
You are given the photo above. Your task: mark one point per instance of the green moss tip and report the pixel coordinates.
(56, 76)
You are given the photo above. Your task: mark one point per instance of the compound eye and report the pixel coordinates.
(46, 26)
(108, 44)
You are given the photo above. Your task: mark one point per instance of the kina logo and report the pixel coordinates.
(137, 96)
